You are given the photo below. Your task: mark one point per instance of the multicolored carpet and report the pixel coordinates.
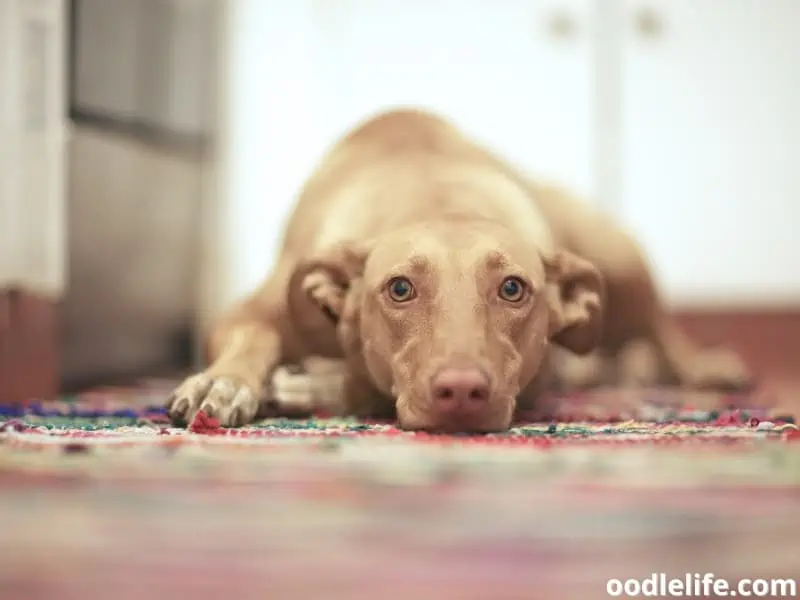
(100, 497)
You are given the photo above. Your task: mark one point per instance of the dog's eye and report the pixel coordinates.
(512, 289)
(401, 289)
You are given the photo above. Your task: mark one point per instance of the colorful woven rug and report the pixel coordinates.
(100, 497)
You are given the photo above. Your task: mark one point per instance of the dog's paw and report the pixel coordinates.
(718, 369)
(573, 372)
(314, 386)
(292, 392)
(225, 398)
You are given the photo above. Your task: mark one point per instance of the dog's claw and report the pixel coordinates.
(232, 402)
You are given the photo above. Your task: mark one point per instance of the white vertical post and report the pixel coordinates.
(32, 145)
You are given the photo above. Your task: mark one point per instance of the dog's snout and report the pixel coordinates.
(460, 388)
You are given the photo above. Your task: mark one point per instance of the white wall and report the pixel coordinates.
(33, 131)
(133, 219)
(274, 127)
(711, 139)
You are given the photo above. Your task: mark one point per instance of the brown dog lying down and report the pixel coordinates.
(448, 282)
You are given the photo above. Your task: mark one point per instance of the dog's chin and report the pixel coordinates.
(462, 424)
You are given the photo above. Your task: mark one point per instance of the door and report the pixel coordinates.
(711, 140)
(143, 80)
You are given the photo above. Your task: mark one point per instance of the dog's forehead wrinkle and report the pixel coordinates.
(419, 263)
(454, 257)
(496, 259)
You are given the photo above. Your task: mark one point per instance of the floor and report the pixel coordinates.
(100, 499)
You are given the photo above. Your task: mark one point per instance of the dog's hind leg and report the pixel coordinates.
(695, 367)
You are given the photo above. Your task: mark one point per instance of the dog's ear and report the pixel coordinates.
(576, 298)
(324, 280)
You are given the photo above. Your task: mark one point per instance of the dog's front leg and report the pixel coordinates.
(245, 351)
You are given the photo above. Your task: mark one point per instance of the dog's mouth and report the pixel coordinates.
(454, 423)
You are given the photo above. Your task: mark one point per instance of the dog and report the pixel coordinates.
(450, 284)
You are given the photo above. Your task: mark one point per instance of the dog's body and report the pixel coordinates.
(399, 247)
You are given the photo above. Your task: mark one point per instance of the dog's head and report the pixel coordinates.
(453, 319)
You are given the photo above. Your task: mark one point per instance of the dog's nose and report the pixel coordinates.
(459, 388)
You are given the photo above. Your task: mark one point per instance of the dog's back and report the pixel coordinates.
(401, 167)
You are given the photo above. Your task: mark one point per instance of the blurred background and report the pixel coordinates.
(152, 149)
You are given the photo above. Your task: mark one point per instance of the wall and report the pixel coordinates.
(142, 97)
(710, 139)
(32, 136)
(146, 63)
(133, 223)
(274, 126)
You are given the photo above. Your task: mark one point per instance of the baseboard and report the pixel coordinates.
(767, 339)
(29, 352)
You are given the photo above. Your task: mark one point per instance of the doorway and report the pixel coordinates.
(141, 82)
